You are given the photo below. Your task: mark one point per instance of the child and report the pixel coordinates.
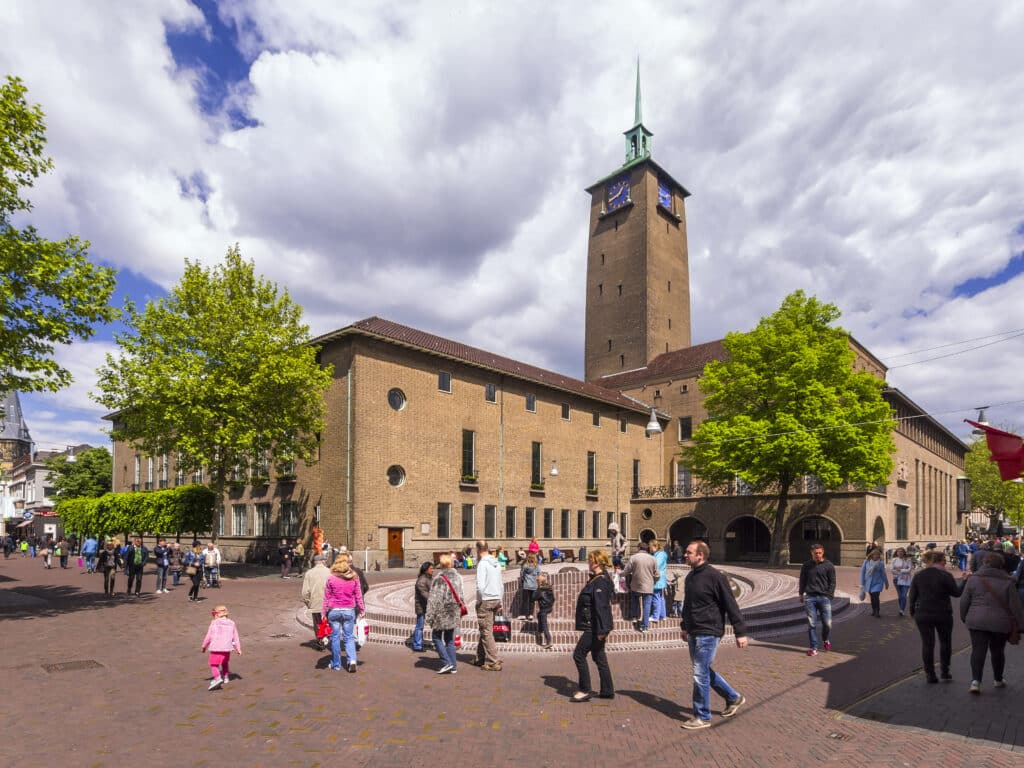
(221, 638)
(677, 595)
(545, 597)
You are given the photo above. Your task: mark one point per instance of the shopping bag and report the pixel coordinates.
(323, 629)
(81, 563)
(362, 631)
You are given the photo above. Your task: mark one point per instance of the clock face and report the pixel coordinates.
(664, 196)
(618, 192)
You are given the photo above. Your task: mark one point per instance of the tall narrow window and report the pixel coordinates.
(510, 522)
(444, 381)
(581, 524)
(289, 519)
(901, 521)
(261, 520)
(591, 472)
(531, 403)
(622, 361)
(531, 523)
(490, 393)
(595, 532)
(620, 289)
(238, 524)
(596, 418)
(624, 525)
(536, 465)
(221, 529)
(163, 471)
(685, 427)
(564, 527)
(149, 473)
(636, 478)
(565, 411)
(467, 521)
(549, 522)
(684, 480)
(609, 345)
(444, 519)
(138, 473)
(490, 521)
(623, 421)
(468, 455)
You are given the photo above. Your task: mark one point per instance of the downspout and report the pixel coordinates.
(500, 511)
(348, 459)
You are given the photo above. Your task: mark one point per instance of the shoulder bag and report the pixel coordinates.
(462, 606)
(1014, 637)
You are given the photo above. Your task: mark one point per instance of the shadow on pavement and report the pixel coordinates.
(671, 709)
(45, 600)
(559, 683)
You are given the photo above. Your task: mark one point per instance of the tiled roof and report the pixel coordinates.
(677, 363)
(379, 328)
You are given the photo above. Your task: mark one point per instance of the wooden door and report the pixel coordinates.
(396, 552)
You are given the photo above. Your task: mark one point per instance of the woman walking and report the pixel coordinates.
(194, 570)
(343, 601)
(931, 608)
(594, 621)
(108, 563)
(444, 611)
(989, 607)
(902, 570)
(658, 611)
(873, 579)
(528, 580)
(177, 560)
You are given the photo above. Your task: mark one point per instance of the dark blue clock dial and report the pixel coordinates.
(618, 192)
(664, 196)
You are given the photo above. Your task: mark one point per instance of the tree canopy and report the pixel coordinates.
(219, 372)
(787, 403)
(999, 499)
(175, 510)
(50, 293)
(86, 474)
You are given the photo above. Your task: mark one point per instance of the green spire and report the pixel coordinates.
(637, 112)
(638, 138)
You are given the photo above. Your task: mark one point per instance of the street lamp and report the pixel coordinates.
(653, 427)
(554, 468)
(981, 420)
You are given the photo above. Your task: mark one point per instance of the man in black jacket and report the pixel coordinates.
(708, 600)
(135, 559)
(817, 588)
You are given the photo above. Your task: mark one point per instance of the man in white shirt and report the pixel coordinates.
(488, 603)
(211, 564)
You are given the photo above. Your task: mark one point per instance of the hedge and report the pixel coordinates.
(174, 510)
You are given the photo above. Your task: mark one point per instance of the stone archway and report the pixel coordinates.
(686, 529)
(647, 535)
(747, 539)
(878, 533)
(811, 530)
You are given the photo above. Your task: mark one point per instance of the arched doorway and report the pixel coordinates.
(747, 538)
(812, 530)
(686, 529)
(647, 535)
(878, 534)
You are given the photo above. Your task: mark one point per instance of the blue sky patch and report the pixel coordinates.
(974, 286)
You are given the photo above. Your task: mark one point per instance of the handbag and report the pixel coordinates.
(1014, 638)
(323, 629)
(362, 631)
(463, 610)
(191, 570)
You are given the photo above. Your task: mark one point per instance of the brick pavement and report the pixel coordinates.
(148, 700)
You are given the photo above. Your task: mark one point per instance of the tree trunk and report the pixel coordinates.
(779, 556)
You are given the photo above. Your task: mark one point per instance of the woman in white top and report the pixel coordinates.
(902, 571)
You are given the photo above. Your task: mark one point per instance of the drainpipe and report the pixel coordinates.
(348, 459)
(500, 511)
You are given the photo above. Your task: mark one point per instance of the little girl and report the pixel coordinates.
(221, 638)
(545, 597)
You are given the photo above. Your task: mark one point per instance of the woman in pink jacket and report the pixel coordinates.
(343, 601)
(221, 638)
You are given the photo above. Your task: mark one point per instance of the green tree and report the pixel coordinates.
(997, 498)
(49, 291)
(220, 372)
(86, 474)
(787, 403)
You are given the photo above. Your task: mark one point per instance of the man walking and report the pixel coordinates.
(708, 600)
(641, 572)
(488, 603)
(313, 584)
(90, 547)
(135, 558)
(817, 588)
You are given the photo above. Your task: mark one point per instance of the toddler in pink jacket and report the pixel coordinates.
(221, 638)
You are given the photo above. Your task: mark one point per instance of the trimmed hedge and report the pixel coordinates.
(174, 510)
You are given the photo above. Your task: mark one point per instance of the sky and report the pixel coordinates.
(426, 162)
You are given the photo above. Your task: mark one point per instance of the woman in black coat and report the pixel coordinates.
(931, 608)
(594, 620)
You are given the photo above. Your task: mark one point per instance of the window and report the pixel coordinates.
(221, 530)
(531, 403)
(444, 381)
(262, 465)
(743, 488)
(490, 521)
(396, 399)
(467, 521)
(636, 477)
(197, 476)
(468, 455)
(261, 523)
(611, 519)
(685, 427)
(901, 522)
(600, 289)
(138, 473)
(670, 286)
(602, 259)
(536, 469)
(149, 474)
(444, 519)
(531, 528)
(670, 323)
(491, 393)
(289, 519)
(684, 480)
(581, 524)
(510, 522)
(565, 411)
(396, 476)
(620, 289)
(163, 471)
(564, 527)
(238, 523)
(596, 418)
(596, 529)
(623, 421)
(622, 361)
(591, 472)
(549, 522)
(624, 524)
(609, 345)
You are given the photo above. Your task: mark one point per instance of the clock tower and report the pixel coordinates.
(638, 275)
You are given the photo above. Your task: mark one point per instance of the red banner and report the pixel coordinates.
(1007, 450)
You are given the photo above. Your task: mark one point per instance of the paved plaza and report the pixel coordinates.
(91, 681)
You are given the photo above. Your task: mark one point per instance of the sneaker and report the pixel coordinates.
(444, 669)
(828, 646)
(812, 651)
(696, 723)
(732, 708)
(215, 683)
(492, 667)
(225, 680)
(946, 677)
(999, 684)
(453, 672)
(975, 687)
(352, 668)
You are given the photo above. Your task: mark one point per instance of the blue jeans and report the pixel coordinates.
(343, 620)
(642, 607)
(417, 634)
(818, 606)
(901, 595)
(161, 577)
(90, 562)
(444, 642)
(705, 679)
(658, 605)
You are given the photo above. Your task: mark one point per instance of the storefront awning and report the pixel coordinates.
(23, 523)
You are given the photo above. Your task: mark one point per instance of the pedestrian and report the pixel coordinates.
(135, 557)
(343, 601)
(211, 565)
(90, 547)
(62, 552)
(221, 638)
(616, 544)
(528, 585)
(420, 599)
(313, 585)
(162, 556)
(109, 564)
(194, 560)
(990, 607)
(873, 579)
(641, 572)
(488, 603)
(545, 596)
(176, 558)
(871, 546)
(534, 546)
(708, 600)
(677, 553)
(299, 555)
(677, 593)
(445, 608)
(929, 603)
(658, 611)
(902, 572)
(24, 548)
(961, 550)
(817, 588)
(284, 554)
(46, 553)
(594, 622)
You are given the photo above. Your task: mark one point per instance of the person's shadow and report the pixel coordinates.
(671, 709)
(561, 684)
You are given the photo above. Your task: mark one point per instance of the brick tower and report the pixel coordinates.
(638, 274)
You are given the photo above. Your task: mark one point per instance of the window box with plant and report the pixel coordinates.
(286, 478)
(537, 489)
(592, 492)
(468, 480)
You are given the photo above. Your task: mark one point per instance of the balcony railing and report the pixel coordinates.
(804, 486)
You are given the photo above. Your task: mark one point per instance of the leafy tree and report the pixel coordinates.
(998, 498)
(787, 402)
(49, 291)
(188, 508)
(219, 372)
(86, 474)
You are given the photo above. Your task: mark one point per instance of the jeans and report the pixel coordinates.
(343, 620)
(90, 563)
(417, 634)
(818, 606)
(901, 596)
(658, 611)
(642, 604)
(928, 629)
(589, 644)
(487, 648)
(705, 679)
(981, 643)
(161, 577)
(444, 642)
(134, 577)
(526, 606)
(108, 580)
(194, 590)
(212, 575)
(876, 604)
(962, 561)
(175, 577)
(542, 627)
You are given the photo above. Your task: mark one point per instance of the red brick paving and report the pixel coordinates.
(148, 703)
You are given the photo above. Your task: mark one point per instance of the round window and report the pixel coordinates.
(647, 514)
(396, 399)
(396, 475)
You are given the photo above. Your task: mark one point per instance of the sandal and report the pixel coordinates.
(579, 697)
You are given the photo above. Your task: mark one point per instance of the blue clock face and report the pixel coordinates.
(618, 192)
(664, 196)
